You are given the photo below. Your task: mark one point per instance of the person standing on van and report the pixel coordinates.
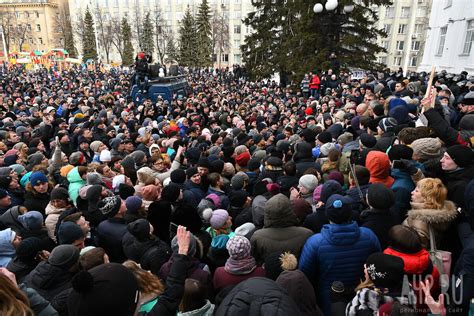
(141, 72)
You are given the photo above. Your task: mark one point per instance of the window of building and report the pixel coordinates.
(421, 12)
(385, 44)
(28, 27)
(415, 45)
(448, 3)
(413, 61)
(405, 12)
(383, 60)
(397, 61)
(400, 45)
(18, 15)
(37, 14)
(236, 43)
(225, 58)
(237, 58)
(469, 38)
(387, 28)
(236, 29)
(390, 12)
(27, 14)
(30, 40)
(441, 40)
(38, 28)
(419, 29)
(402, 28)
(40, 40)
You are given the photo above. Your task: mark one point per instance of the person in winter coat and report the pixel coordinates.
(9, 219)
(385, 129)
(195, 302)
(325, 259)
(37, 194)
(430, 210)
(194, 268)
(239, 267)
(21, 300)
(257, 296)
(141, 246)
(306, 186)
(114, 290)
(300, 290)
(381, 292)
(193, 184)
(27, 257)
(378, 165)
(279, 232)
(111, 231)
(303, 158)
(9, 241)
(54, 276)
(59, 203)
(76, 178)
(405, 243)
(379, 217)
(458, 169)
(316, 220)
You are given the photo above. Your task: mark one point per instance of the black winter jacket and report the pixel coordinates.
(151, 254)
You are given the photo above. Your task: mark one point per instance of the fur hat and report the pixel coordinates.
(385, 271)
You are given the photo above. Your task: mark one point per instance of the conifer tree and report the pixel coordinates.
(171, 51)
(289, 38)
(147, 43)
(187, 41)
(126, 34)
(204, 35)
(88, 40)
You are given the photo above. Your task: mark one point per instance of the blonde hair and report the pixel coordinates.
(14, 302)
(433, 192)
(148, 283)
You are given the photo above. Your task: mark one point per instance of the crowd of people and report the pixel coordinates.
(337, 197)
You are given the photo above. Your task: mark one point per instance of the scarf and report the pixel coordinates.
(240, 266)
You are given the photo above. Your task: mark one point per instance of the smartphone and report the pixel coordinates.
(398, 164)
(355, 156)
(173, 228)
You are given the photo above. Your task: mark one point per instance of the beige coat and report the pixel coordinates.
(421, 218)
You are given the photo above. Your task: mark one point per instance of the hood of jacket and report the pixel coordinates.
(50, 209)
(46, 276)
(433, 216)
(10, 216)
(378, 165)
(206, 310)
(278, 212)
(73, 176)
(303, 150)
(6, 247)
(300, 290)
(414, 263)
(341, 234)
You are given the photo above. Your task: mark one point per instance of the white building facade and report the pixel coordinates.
(405, 23)
(450, 40)
(172, 12)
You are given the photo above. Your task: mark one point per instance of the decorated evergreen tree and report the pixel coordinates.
(290, 39)
(147, 43)
(126, 30)
(88, 40)
(187, 41)
(204, 35)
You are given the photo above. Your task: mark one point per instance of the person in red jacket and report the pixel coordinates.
(406, 244)
(314, 85)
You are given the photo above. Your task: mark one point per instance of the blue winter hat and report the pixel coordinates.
(32, 220)
(37, 178)
(338, 209)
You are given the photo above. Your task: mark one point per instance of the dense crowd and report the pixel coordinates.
(337, 197)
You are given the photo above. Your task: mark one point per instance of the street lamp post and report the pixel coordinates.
(332, 27)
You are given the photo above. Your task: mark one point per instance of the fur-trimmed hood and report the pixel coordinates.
(433, 216)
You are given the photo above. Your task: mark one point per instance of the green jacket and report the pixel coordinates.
(75, 183)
